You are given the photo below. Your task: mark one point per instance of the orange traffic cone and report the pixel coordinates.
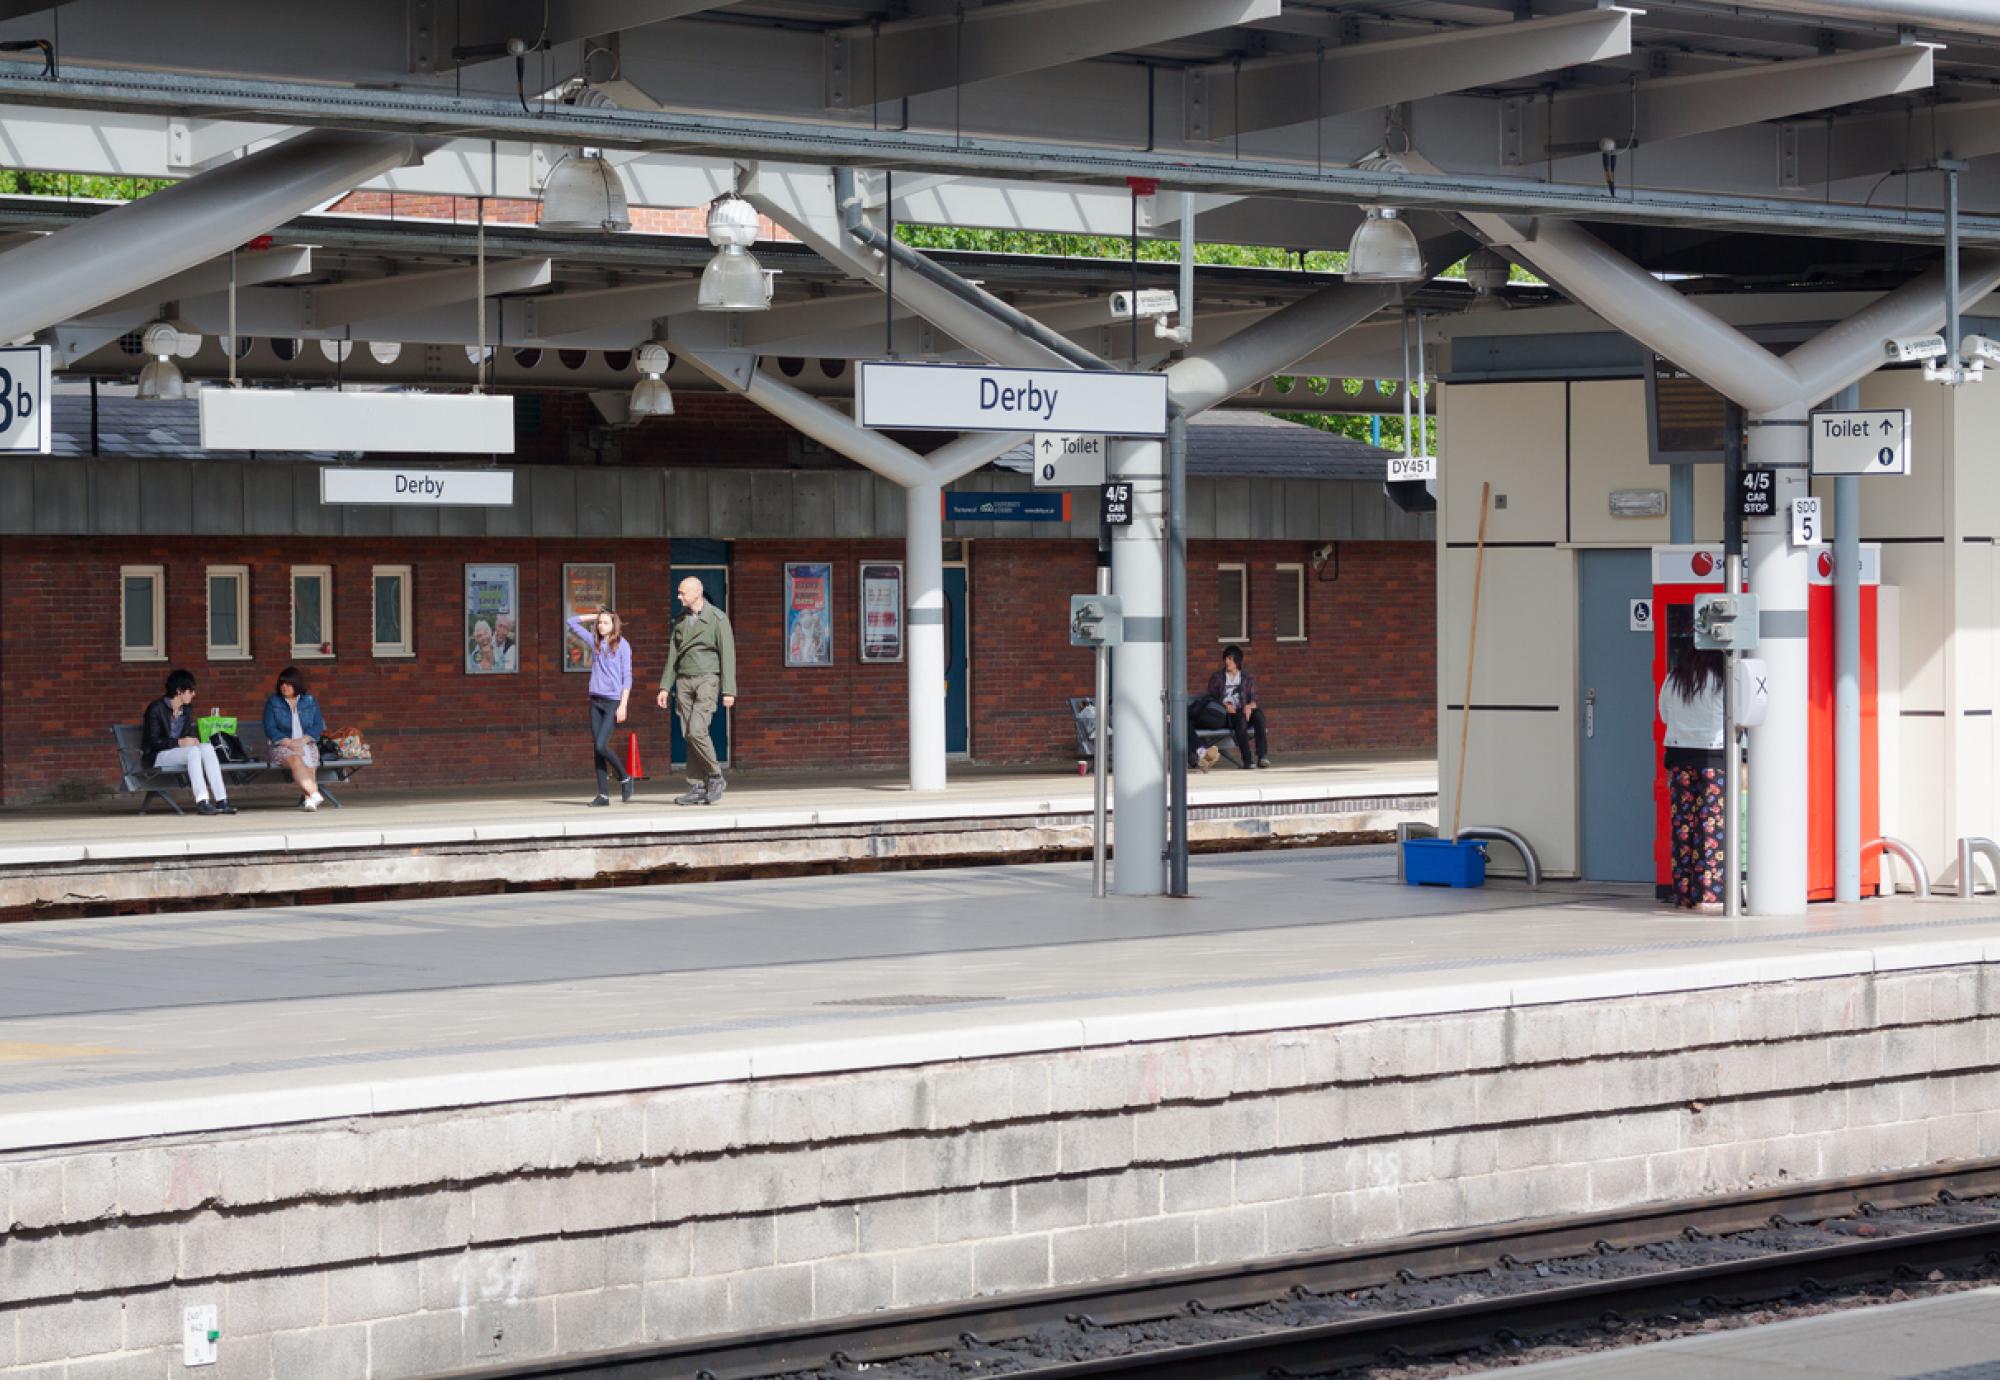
(632, 767)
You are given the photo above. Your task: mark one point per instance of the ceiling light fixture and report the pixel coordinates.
(1384, 250)
(733, 280)
(650, 395)
(161, 380)
(584, 193)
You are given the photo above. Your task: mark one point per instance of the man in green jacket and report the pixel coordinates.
(701, 667)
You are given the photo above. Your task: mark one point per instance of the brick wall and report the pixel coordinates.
(1362, 679)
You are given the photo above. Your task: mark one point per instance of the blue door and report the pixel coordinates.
(957, 664)
(715, 588)
(1615, 755)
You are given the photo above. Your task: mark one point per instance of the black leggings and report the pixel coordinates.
(603, 716)
(1242, 731)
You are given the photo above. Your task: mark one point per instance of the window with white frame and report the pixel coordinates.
(312, 611)
(391, 586)
(142, 613)
(1291, 603)
(229, 613)
(1232, 603)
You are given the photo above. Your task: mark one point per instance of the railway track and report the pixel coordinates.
(1425, 1297)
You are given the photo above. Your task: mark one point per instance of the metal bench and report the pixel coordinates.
(1080, 707)
(136, 778)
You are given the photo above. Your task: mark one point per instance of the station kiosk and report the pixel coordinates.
(1682, 572)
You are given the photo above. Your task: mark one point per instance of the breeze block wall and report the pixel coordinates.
(394, 1245)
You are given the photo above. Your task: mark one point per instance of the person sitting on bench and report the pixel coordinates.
(1236, 688)
(170, 744)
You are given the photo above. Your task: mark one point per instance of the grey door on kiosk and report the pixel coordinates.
(1616, 707)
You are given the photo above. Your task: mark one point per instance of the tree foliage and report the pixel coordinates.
(24, 182)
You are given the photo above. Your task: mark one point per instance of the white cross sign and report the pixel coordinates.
(1869, 441)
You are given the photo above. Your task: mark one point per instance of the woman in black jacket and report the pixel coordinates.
(170, 744)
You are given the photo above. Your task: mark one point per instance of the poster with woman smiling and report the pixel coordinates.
(492, 617)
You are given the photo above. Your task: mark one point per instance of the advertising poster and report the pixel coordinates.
(882, 611)
(492, 620)
(808, 613)
(586, 589)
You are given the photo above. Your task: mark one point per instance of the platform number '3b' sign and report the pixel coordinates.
(1807, 529)
(24, 400)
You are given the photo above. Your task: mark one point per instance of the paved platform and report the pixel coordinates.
(1950, 1337)
(131, 1027)
(397, 1139)
(104, 857)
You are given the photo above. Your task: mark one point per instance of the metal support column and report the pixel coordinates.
(1732, 583)
(1177, 648)
(1138, 682)
(923, 554)
(1779, 760)
(1847, 675)
(1680, 504)
(1100, 734)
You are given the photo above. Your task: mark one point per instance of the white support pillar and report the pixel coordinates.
(1780, 576)
(923, 559)
(1138, 677)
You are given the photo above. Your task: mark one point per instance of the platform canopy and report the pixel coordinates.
(1763, 145)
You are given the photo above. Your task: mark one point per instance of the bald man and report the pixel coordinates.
(701, 667)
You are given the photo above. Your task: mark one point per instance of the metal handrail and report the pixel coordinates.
(1969, 849)
(1919, 875)
(1493, 833)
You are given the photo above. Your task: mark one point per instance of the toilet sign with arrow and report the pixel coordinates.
(1869, 441)
(1068, 459)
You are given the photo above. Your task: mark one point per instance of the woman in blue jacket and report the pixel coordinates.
(293, 724)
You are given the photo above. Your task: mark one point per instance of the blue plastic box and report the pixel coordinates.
(1441, 862)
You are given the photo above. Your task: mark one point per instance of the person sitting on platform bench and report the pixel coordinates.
(1236, 688)
(169, 743)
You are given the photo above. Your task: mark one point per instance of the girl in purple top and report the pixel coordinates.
(610, 688)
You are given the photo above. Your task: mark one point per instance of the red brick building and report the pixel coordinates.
(1293, 552)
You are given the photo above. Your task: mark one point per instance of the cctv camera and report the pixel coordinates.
(1321, 554)
(1980, 349)
(1145, 302)
(1909, 349)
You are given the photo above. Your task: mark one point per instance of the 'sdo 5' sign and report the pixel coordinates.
(24, 399)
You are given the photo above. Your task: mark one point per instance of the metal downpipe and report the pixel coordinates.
(124, 250)
(858, 228)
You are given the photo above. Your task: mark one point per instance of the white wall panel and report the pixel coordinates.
(1607, 451)
(1511, 434)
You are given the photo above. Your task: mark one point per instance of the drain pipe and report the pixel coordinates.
(857, 227)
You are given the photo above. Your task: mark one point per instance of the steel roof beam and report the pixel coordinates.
(367, 299)
(538, 23)
(560, 314)
(123, 251)
(1025, 160)
(251, 270)
(1662, 108)
(1961, 16)
(868, 64)
(1267, 93)
(1897, 141)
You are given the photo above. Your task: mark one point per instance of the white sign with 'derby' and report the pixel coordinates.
(891, 395)
(425, 488)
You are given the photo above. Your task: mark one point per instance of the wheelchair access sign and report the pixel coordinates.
(25, 425)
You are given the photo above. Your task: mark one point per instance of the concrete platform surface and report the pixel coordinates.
(268, 820)
(1950, 1337)
(131, 1027)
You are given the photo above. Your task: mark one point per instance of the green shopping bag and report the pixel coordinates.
(210, 724)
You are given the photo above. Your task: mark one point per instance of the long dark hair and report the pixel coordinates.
(293, 677)
(1697, 670)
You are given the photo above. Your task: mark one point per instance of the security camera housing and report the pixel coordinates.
(1981, 349)
(1153, 302)
(1914, 349)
